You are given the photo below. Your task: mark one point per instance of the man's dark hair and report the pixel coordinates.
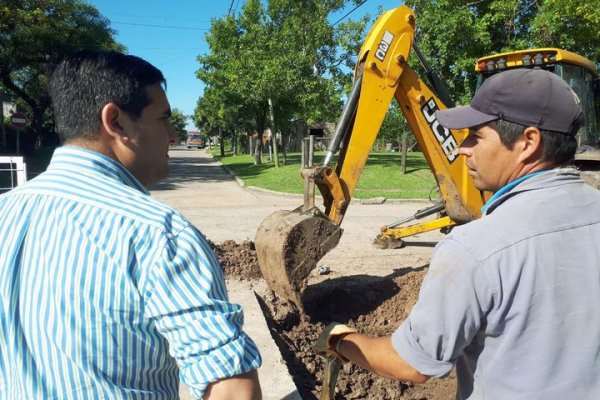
(557, 148)
(83, 83)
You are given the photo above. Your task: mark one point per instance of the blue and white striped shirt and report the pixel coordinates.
(99, 283)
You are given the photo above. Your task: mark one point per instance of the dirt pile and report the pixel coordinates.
(238, 260)
(374, 305)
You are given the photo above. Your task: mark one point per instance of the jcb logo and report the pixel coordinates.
(444, 136)
(384, 46)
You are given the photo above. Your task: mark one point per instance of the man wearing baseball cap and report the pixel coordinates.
(512, 300)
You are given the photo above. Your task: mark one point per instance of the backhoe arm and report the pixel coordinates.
(383, 73)
(289, 244)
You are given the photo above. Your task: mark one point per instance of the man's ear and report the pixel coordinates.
(531, 144)
(115, 122)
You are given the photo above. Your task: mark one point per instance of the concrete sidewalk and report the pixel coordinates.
(212, 200)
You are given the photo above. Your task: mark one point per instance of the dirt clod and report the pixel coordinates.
(374, 305)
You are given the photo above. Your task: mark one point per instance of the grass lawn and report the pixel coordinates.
(380, 178)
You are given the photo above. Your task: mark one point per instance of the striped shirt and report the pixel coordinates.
(99, 283)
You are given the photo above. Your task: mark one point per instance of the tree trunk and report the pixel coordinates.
(234, 142)
(283, 149)
(221, 142)
(273, 134)
(258, 151)
(270, 148)
(404, 150)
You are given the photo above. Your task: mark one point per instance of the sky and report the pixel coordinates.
(170, 35)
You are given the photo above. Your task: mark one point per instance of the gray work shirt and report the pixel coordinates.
(513, 299)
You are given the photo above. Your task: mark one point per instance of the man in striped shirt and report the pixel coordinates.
(99, 283)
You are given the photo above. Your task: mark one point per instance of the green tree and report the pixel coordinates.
(34, 36)
(179, 122)
(395, 130)
(453, 34)
(281, 51)
(570, 24)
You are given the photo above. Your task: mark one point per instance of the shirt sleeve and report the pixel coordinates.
(191, 309)
(453, 300)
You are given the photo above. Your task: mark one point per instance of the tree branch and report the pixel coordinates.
(9, 84)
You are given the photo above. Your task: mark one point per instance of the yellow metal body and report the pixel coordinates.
(549, 55)
(387, 75)
(399, 233)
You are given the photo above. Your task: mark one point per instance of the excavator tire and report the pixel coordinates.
(288, 246)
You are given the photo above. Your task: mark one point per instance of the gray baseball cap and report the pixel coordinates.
(529, 97)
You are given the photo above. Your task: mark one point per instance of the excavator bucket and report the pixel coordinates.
(289, 244)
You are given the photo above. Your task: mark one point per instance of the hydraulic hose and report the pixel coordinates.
(344, 121)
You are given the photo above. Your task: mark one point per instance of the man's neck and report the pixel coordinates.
(94, 145)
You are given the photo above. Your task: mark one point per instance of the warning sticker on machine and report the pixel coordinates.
(384, 45)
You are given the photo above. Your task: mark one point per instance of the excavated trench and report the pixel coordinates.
(374, 305)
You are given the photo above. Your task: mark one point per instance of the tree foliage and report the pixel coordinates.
(35, 35)
(283, 50)
(289, 52)
(453, 34)
(179, 121)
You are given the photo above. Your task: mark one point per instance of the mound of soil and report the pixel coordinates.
(238, 260)
(373, 305)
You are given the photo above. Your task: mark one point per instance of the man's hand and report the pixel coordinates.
(329, 339)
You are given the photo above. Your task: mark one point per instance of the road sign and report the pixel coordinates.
(18, 120)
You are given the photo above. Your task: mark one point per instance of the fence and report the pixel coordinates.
(13, 172)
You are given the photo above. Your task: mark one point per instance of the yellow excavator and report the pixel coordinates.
(290, 243)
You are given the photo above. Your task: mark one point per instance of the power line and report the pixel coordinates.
(230, 7)
(350, 12)
(237, 3)
(151, 17)
(191, 28)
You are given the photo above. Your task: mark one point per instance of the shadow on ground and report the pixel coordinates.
(192, 169)
(347, 298)
(376, 305)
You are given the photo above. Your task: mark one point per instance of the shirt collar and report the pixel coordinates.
(72, 157)
(506, 189)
